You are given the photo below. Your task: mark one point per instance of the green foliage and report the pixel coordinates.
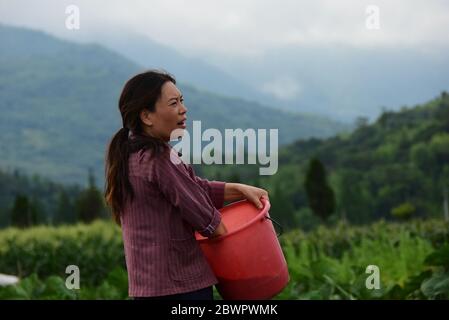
(439, 258)
(402, 157)
(26, 212)
(283, 209)
(320, 195)
(305, 218)
(29, 201)
(331, 263)
(22, 214)
(326, 263)
(96, 249)
(404, 211)
(65, 209)
(114, 286)
(437, 286)
(16, 183)
(90, 204)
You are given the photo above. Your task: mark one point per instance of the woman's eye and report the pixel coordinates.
(174, 103)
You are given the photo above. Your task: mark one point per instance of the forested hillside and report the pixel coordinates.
(401, 161)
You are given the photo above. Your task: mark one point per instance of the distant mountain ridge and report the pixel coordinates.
(59, 106)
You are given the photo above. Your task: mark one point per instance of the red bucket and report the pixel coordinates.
(248, 261)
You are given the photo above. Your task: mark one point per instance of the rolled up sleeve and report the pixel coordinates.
(215, 189)
(187, 194)
(210, 229)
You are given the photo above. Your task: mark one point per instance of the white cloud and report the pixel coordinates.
(244, 28)
(284, 88)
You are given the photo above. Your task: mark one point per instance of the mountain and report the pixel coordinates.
(339, 81)
(344, 82)
(400, 161)
(59, 106)
(150, 54)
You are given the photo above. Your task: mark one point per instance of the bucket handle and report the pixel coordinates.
(281, 229)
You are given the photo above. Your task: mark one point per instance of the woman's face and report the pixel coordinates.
(170, 113)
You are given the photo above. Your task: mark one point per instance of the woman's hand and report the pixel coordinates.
(235, 191)
(253, 194)
(220, 231)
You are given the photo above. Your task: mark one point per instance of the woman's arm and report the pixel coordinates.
(220, 230)
(238, 191)
(232, 192)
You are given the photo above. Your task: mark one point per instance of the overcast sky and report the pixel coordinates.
(245, 28)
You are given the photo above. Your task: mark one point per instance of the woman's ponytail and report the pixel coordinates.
(139, 93)
(117, 182)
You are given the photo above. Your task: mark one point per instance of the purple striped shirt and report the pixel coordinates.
(170, 203)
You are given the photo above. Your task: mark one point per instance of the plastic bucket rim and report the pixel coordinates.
(264, 210)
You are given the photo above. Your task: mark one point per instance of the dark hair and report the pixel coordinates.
(139, 93)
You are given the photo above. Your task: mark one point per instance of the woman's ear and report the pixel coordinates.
(146, 117)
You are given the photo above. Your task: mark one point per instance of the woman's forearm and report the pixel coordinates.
(238, 191)
(232, 192)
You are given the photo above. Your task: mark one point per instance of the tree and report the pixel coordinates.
(444, 95)
(16, 173)
(22, 214)
(90, 204)
(320, 195)
(282, 208)
(5, 218)
(445, 205)
(361, 122)
(64, 209)
(444, 183)
(352, 196)
(37, 209)
(443, 111)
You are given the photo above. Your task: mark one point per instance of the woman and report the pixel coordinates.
(160, 203)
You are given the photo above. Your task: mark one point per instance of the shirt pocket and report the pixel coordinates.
(186, 260)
